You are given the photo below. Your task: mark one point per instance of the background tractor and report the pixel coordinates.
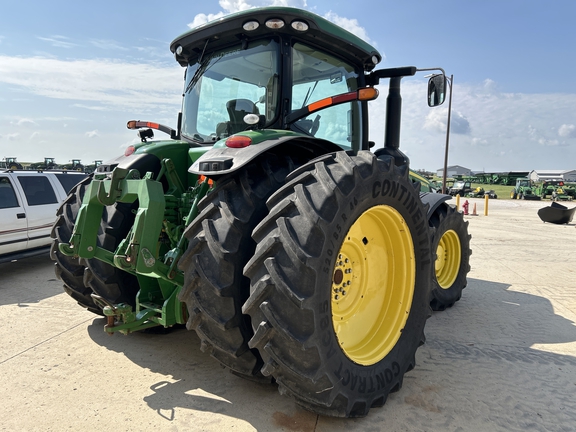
(10, 163)
(265, 223)
(48, 164)
(524, 190)
(74, 165)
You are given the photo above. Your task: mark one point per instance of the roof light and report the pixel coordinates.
(299, 26)
(375, 60)
(251, 25)
(275, 23)
(179, 50)
(238, 141)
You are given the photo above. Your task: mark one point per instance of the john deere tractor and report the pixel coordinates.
(265, 223)
(524, 190)
(10, 163)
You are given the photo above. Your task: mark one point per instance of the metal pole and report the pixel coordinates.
(447, 136)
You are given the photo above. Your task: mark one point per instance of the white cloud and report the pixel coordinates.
(103, 82)
(108, 45)
(25, 122)
(10, 137)
(58, 41)
(92, 134)
(567, 131)
(437, 120)
(350, 24)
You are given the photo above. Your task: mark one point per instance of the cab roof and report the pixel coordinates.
(230, 30)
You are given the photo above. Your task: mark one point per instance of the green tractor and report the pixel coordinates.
(524, 190)
(92, 167)
(74, 165)
(265, 223)
(11, 164)
(48, 164)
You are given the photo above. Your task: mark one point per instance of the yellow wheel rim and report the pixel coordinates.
(448, 259)
(373, 285)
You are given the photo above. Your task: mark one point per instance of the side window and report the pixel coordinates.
(317, 75)
(68, 181)
(38, 190)
(7, 194)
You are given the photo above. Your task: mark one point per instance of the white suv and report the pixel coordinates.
(28, 204)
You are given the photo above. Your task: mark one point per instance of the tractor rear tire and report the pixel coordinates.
(340, 283)
(220, 244)
(451, 242)
(70, 270)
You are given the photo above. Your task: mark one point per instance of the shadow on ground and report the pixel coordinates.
(491, 327)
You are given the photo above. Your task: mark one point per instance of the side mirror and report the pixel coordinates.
(437, 90)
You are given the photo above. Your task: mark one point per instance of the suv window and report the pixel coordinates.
(7, 195)
(38, 190)
(68, 181)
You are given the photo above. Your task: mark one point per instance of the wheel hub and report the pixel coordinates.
(448, 257)
(373, 285)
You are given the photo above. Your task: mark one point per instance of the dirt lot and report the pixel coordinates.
(502, 359)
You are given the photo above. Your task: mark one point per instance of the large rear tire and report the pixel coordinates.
(70, 270)
(340, 283)
(220, 244)
(451, 242)
(82, 277)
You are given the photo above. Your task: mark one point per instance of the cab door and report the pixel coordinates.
(13, 221)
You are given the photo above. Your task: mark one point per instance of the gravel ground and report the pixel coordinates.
(502, 359)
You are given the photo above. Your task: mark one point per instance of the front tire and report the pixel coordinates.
(451, 242)
(340, 283)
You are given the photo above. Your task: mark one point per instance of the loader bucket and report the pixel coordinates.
(556, 214)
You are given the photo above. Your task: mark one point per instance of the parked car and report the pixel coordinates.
(28, 204)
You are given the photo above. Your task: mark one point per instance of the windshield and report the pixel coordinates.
(225, 86)
(315, 76)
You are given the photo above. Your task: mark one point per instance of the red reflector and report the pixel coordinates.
(344, 97)
(238, 141)
(129, 150)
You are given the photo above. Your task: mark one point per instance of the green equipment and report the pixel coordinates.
(480, 192)
(48, 164)
(265, 223)
(92, 167)
(524, 190)
(74, 165)
(11, 164)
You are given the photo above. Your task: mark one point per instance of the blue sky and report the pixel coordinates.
(73, 73)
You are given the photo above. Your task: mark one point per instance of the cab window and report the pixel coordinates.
(315, 76)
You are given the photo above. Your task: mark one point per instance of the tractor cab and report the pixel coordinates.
(265, 71)
(288, 71)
